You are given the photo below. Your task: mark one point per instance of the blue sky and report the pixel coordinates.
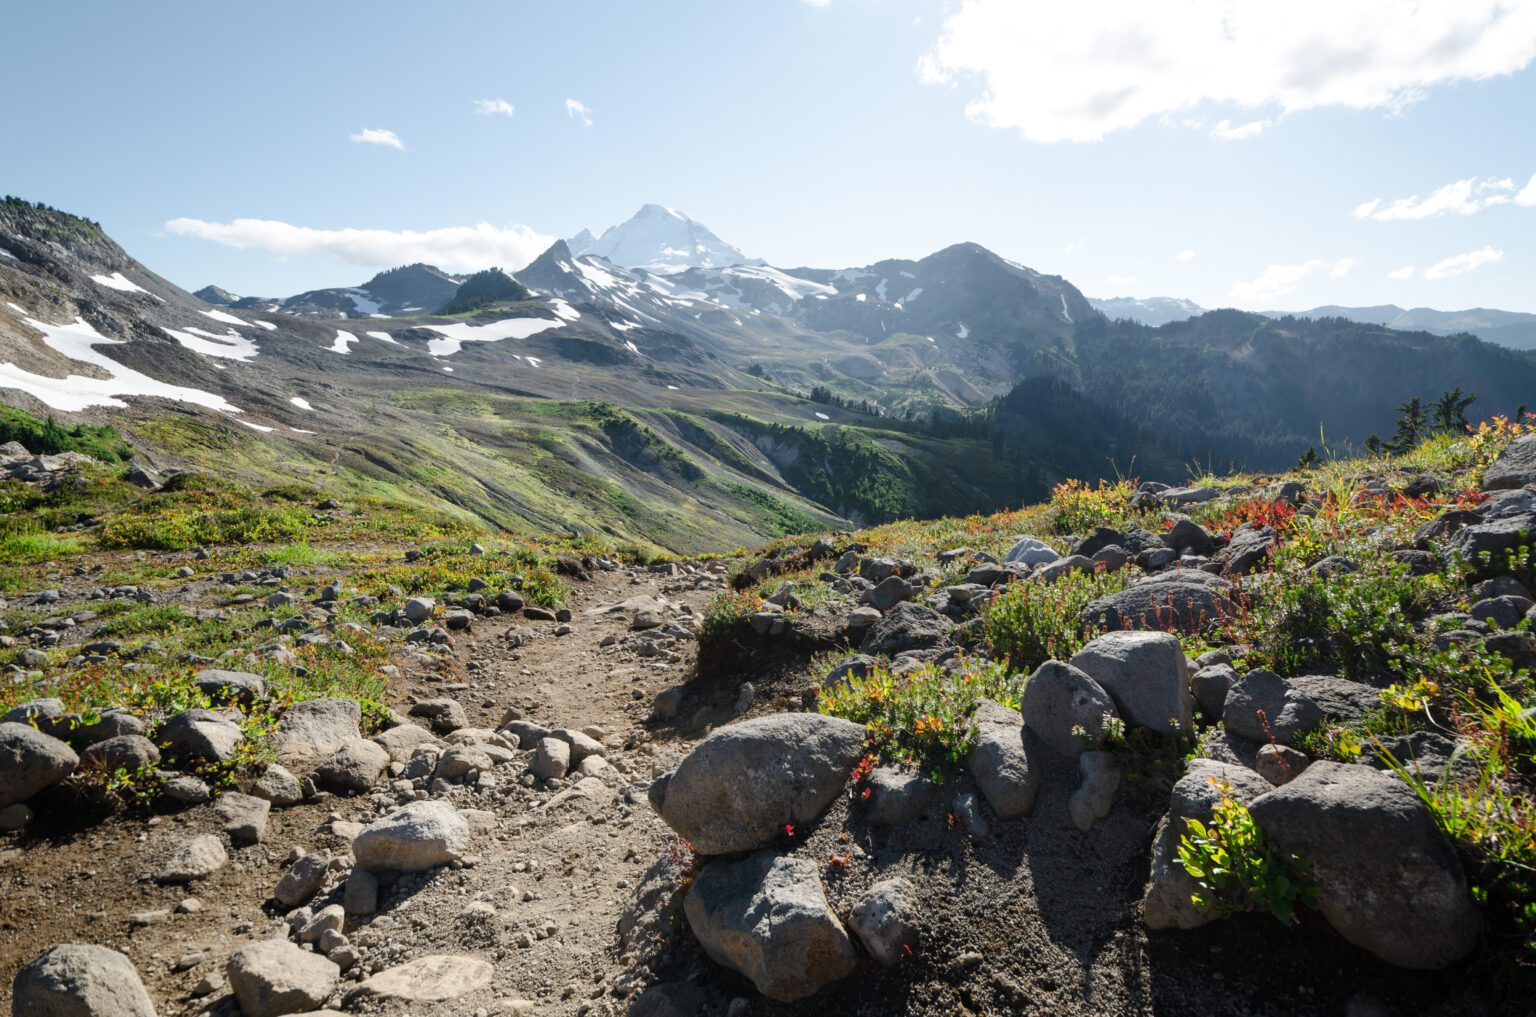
(1100, 142)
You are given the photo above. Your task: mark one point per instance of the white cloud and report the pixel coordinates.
(494, 108)
(1227, 131)
(1279, 280)
(1074, 247)
(1076, 72)
(1184, 256)
(1461, 197)
(377, 136)
(1527, 195)
(1463, 263)
(815, 3)
(1400, 274)
(455, 248)
(1119, 281)
(578, 110)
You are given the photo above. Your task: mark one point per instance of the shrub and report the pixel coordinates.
(1235, 867)
(1032, 622)
(49, 437)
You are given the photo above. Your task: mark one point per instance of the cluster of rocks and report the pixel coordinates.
(42, 471)
(658, 629)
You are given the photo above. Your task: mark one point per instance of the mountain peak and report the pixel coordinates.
(665, 241)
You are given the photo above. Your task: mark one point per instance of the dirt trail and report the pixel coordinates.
(553, 868)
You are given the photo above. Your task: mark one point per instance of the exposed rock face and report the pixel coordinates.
(907, 626)
(416, 837)
(312, 731)
(1515, 467)
(1389, 881)
(78, 980)
(767, 917)
(1146, 674)
(275, 977)
(31, 761)
(739, 787)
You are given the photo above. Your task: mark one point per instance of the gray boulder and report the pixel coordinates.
(1095, 793)
(196, 858)
(312, 731)
(1030, 551)
(274, 977)
(444, 715)
(1484, 546)
(897, 796)
(231, 686)
(415, 838)
(1388, 879)
(1210, 685)
(278, 786)
(1515, 467)
(885, 920)
(767, 917)
(1146, 674)
(402, 740)
(738, 788)
(890, 591)
(1263, 698)
(31, 761)
(1188, 535)
(125, 752)
(303, 879)
(1182, 600)
(80, 980)
(551, 759)
(1000, 762)
(356, 767)
(1061, 567)
(1168, 904)
(244, 817)
(200, 736)
(907, 626)
(1058, 702)
(1249, 548)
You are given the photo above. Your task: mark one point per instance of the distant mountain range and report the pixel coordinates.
(689, 403)
(1514, 329)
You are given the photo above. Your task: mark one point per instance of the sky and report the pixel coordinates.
(1265, 156)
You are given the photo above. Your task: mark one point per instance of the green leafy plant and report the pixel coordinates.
(1030, 623)
(1235, 867)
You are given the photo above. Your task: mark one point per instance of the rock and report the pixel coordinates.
(1062, 566)
(419, 609)
(402, 740)
(1339, 698)
(1030, 551)
(1095, 794)
(356, 767)
(1485, 545)
(1250, 548)
(1502, 612)
(1211, 685)
(861, 620)
(314, 730)
(668, 703)
(669, 999)
(1515, 467)
(1279, 764)
(303, 879)
(244, 817)
(197, 858)
(125, 752)
(431, 979)
(1183, 600)
(582, 745)
(360, 898)
(231, 686)
(14, 818)
(46, 715)
(186, 790)
(1388, 879)
(1188, 495)
(79, 980)
(444, 715)
(999, 761)
(526, 733)
(885, 920)
(1167, 904)
(278, 786)
(891, 591)
(1286, 711)
(1146, 674)
(200, 736)
(739, 787)
(1188, 535)
(907, 626)
(462, 761)
(1059, 701)
(767, 918)
(112, 723)
(415, 838)
(274, 977)
(328, 919)
(897, 796)
(552, 758)
(31, 761)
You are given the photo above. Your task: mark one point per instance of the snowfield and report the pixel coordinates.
(459, 333)
(230, 346)
(225, 317)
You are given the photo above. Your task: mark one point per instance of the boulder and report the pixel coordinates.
(80, 980)
(739, 787)
(1485, 545)
(1339, 698)
(885, 920)
(196, 858)
(1262, 704)
(890, 591)
(244, 817)
(312, 731)
(231, 686)
(1250, 548)
(443, 715)
(1065, 709)
(897, 796)
(1210, 685)
(125, 752)
(432, 979)
(278, 786)
(1389, 881)
(274, 977)
(31, 761)
(767, 917)
(419, 609)
(907, 626)
(1515, 467)
(415, 838)
(1168, 904)
(1063, 566)
(1279, 764)
(1182, 600)
(1146, 674)
(999, 761)
(551, 758)
(303, 879)
(200, 736)
(1188, 535)
(1030, 551)
(357, 766)
(1095, 793)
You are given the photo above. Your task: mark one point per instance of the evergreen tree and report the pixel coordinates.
(1374, 445)
(1451, 411)
(1308, 459)
(1410, 426)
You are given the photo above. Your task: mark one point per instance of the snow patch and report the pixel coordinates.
(861, 297)
(343, 342)
(822, 416)
(300, 430)
(228, 319)
(267, 325)
(1064, 312)
(230, 346)
(880, 290)
(383, 337)
(78, 341)
(962, 331)
(6, 254)
(912, 296)
(632, 347)
(117, 281)
(459, 333)
(301, 403)
(255, 427)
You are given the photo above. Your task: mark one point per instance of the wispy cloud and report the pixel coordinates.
(1527, 195)
(1076, 72)
(1119, 281)
(456, 248)
(815, 3)
(1460, 264)
(1400, 274)
(1460, 197)
(377, 136)
(494, 108)
(1279, 280)
(578, 110)
(1184, 256)
(1228, 131)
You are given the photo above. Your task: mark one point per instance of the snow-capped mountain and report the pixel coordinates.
(661, 240)
(1147, 310)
